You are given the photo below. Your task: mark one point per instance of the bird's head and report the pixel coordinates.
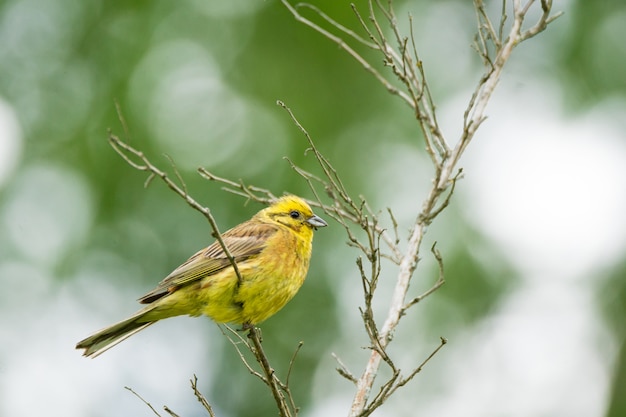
(292, 212)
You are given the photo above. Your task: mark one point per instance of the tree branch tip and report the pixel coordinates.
(148, 180)
(142, 400)
(283, 105)
(343, 369)
(436, 252)
(170, 412)
(303, 5)
(554, 17)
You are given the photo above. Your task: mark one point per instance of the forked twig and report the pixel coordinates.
(440, 281)
(343, 369)
(268, 376)
(236, 343)
(200, 397)
(271, 379)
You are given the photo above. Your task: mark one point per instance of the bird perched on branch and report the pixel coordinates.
(272, 252)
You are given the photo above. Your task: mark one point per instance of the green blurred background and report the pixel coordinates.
(534, 242)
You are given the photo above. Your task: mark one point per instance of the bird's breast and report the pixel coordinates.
(278, 273)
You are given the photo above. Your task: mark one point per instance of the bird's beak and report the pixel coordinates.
(316, 221)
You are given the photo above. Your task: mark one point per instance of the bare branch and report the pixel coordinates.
(286, 405)
(338, 25)
(343, 45)
(440, 281)
(434, 212)
(170, 412)
(271, 379)
(144, 401)
(126, 151)
(200, 397)
(286, 386)
(343, 369)
(344, 206)
(395, 225)
(239, 188)
(417, 370)
(236, 344)
(292, 361)
(383, 393)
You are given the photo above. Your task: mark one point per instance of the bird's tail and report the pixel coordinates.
(108, 337)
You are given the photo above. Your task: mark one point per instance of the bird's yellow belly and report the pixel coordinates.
(269, 281)
(259, 296)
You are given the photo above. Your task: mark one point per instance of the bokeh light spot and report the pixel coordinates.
(50, 210)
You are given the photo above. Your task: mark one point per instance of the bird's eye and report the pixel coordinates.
(294, 214)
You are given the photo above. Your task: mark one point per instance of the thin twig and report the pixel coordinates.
(394, 223)
(437, 210)
(239, 188)
(343, 45)
(336, 185)
(286, 385)
(120, 116)
(200, 397)
(169, 411)
(270, 377)
(343, 369)
(144, 401)
(338, 25)
(292, 361)
(417, 370)
(236, 344)
(440, 280)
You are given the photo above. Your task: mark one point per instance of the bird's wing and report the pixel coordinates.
(243, 241)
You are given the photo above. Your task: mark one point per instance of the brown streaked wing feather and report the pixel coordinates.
(243, 242)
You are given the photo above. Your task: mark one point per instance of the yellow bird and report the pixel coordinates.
(272, 251)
